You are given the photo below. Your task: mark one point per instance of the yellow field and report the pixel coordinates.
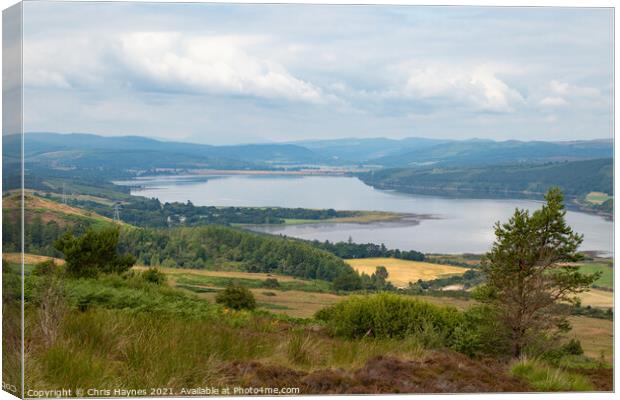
(597, 298)
(29, 258)
(401, 272)
(596, 336)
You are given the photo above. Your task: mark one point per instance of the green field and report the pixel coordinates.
(597, 197)
(607, 273)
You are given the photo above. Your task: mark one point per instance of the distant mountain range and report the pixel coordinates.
(412, 152)
(79, 150)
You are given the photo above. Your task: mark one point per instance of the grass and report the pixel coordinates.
(293, 303)
(596, 336)
(597, 298)
(252, 282)
(597, 197)
(607, 273)
(360, 217)
(544, 378)
(130, 332)
(401, 272)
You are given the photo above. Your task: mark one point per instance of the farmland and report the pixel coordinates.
(607, 273)
(597, 298)
(596, 335)
(401, 272)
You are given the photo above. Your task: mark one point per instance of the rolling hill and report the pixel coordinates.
(575, 178)
(77, 150)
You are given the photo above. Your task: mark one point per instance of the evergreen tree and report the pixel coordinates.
(527, 271)
(94, 252)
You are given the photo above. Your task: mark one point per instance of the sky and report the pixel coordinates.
(226, 74)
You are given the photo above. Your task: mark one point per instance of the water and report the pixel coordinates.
(461, 225)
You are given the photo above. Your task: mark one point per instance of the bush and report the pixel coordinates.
(95, 252)
(573, 347)
(481, 334)
(388, 315)
(153, 275)
(347, 281)
(46, 267)
(271, 283)
(237, 298)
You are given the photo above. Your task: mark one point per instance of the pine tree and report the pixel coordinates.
(528, 273)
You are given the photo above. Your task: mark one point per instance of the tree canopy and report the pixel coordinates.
(95, 252)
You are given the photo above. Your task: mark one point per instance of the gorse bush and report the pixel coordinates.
(388, 315)
(237, 298)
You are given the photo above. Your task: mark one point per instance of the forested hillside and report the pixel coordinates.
(575, 178)
(221, 247)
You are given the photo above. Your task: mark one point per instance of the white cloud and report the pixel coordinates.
(212, 64)
(553, 101)
(567, 89)
(64, 62)
(477, 87)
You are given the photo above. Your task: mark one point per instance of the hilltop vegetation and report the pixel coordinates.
(221, 247)
(575, 179)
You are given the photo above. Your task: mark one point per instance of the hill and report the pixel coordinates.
(45, 221)
(67, 152)
(78, 150)
(488, 152)
(413, 151)
(576, 179)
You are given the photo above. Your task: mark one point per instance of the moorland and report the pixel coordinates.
(182, 296)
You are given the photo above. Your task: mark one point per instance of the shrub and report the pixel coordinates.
(95, 252)
(573, 347)
(236, 297)
(347, 281)
(46, 267)
(271, 283)
(388, 315)
(153, 275)
(480, 334)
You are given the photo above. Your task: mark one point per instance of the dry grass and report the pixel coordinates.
(29, 258)
(49, 210)
(293, 303)
(596, 336)
(597, 298)
(401, 272)
(222, 274)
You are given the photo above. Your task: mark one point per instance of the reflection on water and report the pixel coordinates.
(464, 225)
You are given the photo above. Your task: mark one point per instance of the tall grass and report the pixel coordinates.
(545, 378)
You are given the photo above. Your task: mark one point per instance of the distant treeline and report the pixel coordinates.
(154, 214)
(364, 250)
(574, 178)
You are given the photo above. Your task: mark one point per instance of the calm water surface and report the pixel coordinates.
(461, 225)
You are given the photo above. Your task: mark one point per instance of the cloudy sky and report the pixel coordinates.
(213, 73)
